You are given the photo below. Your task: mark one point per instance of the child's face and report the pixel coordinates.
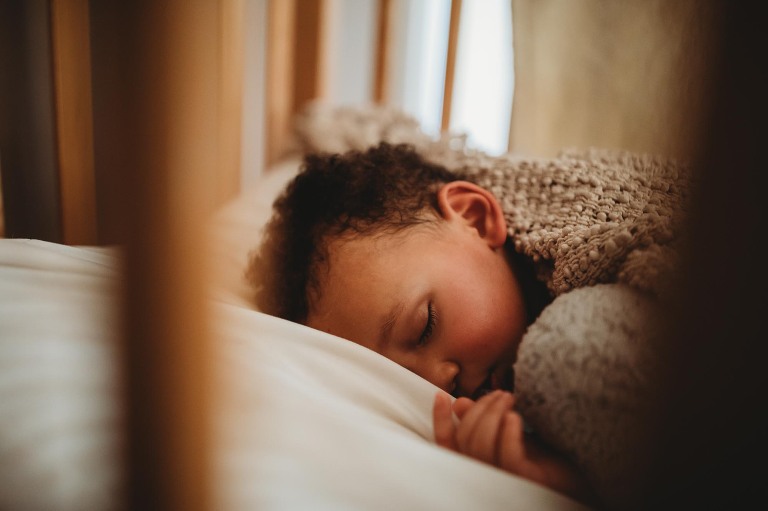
(436, 299)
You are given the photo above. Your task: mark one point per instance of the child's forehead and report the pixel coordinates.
(365, 265)
(361, 256)
(354, 246)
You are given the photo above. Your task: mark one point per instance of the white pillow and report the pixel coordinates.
(236, 230)
(58, 409)
(312, 421)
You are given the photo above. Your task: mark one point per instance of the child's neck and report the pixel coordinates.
(535, 292)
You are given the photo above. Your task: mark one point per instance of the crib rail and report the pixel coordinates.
(162, 118)
(74, 120)
(450, 63)
(170, 143)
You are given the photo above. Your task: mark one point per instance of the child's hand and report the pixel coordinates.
(490, 431)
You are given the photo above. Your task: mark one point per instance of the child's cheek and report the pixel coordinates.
(478, 332)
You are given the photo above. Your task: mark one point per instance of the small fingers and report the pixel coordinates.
(442, 419)
(478, 433)
(512, 455)
(462, 405)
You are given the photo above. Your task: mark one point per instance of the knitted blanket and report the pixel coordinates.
(588, 217)
(602, 228)
(586, 379)
(585, 217)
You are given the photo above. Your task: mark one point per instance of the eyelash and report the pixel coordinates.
(430, 326)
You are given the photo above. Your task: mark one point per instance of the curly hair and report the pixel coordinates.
(359, 193)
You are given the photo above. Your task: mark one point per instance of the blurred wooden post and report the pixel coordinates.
(161, 118)
(450, 63)
(297, 42)
(310, 81)
(279, 76)
(383, 52)
(71, 52)
(29, 174)
(232, 14)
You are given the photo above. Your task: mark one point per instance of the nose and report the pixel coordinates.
(444, 373)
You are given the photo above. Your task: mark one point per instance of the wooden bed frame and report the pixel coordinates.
(170, 114)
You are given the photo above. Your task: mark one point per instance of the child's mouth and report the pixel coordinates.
(503, 379)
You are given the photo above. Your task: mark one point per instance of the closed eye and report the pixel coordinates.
(429, 327)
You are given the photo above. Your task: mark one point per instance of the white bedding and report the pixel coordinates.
(305, 420)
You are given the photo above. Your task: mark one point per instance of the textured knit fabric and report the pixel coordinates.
(585, 217)
(585, 381)
(588, 217)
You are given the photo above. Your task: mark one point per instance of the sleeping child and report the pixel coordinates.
(427, 267)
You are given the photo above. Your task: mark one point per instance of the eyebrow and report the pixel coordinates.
(389, 322)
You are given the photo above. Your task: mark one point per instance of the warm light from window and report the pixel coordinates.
(484, 81)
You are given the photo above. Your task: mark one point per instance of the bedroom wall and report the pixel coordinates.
(627, 74)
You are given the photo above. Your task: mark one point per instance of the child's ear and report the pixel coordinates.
(476, 207)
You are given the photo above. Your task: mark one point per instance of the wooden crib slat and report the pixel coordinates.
(450, 63)
(296, 67)
(231, 16)
(310, 81)
(279, 77)
(28, 123)
(161, 106)
(382, 69)
(74, 120)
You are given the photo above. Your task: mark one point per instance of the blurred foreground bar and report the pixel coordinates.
(156, 87)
